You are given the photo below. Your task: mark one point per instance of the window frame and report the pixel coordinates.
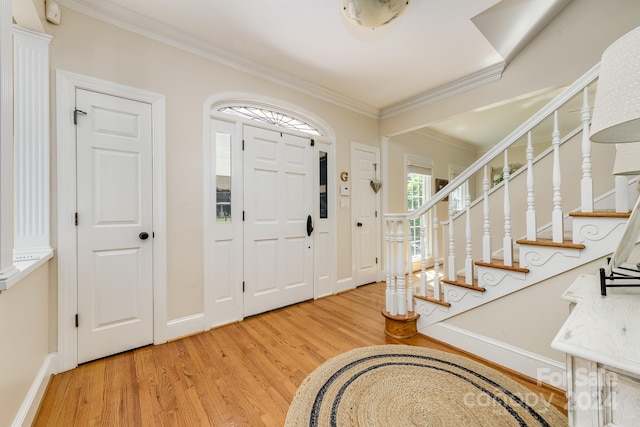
(413, 165)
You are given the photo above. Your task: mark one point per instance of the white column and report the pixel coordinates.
(7, 268)
(557, 220)
(486, 236)
(531, 209)
(31, 139)
(586, 185)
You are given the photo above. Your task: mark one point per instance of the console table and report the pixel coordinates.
(601, 338)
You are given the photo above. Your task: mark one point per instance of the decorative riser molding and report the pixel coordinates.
(533, 365)
(600, 239)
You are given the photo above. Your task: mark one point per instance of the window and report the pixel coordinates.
(418, 191)
(324, 199)
(223, 176)
(270, 117)
(457, 198)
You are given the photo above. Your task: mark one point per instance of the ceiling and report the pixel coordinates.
(434, 45)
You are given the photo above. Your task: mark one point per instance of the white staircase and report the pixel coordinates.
(472, 269)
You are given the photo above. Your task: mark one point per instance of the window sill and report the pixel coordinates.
(25, 263)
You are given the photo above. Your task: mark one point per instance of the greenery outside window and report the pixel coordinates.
(419, 184)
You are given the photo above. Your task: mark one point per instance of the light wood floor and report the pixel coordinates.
(244, 374)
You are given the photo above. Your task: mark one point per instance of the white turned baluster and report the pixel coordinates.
(409, 261)
(451, 264)
(556, 215)
(423, 262)
(586, 185)
(468, 261)
(486, 237)
(507, 241)
(531, 209)
(622, 193)
(436, 263)
(401, 272)
(391, 276)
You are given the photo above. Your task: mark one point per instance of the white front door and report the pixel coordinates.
(365, 213)
(114, 219)
(278, 202)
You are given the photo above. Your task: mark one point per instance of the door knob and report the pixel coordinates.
(359, 224)
(143, 236)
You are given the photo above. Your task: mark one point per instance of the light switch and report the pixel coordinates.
(344, 203)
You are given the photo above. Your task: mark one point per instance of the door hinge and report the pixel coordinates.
(243, 145)
(243, 215)
(313, 142)
(76, 218)
(242, 286)
(153, 234)
(75, 115)
(76, 320)
(376, 260)
(376, 214)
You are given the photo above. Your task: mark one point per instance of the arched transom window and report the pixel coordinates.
(271, 117)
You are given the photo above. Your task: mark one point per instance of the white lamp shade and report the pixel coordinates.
(372, 13)
(616, 112)
(627, 160)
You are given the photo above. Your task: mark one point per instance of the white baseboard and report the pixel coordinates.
(533, 365)
(27, 412)
(345, 285)
(184, 326)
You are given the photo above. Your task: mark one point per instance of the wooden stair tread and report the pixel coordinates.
(605, 213)
(460, 281)
(433, 300)
(551, 243)
(498, 263)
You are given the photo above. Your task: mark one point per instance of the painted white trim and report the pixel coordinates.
(345, 284)
(328, 140)
(185, 326)
(376, 151)
(66, 85)
(530, 364)
(7, 268)
(137, 23)
(464, 84)
(27, 412)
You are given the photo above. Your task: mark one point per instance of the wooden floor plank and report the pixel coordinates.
(242, 374)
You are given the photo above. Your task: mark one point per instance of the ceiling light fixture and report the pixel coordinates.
(373, 13)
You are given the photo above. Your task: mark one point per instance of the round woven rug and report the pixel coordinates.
(400, 385)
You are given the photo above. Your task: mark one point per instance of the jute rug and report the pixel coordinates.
(399, 385)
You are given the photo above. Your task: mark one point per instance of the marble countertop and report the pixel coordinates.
(602, 329)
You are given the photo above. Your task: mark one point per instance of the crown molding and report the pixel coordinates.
(143, 25)
(166, 34)
(446, 139)
(482, 77)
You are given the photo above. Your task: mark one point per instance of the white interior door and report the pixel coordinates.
(365, 214)
(114, 211)
(278, 200)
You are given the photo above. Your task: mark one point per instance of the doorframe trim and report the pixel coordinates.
(66, 85)
(376, 151)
